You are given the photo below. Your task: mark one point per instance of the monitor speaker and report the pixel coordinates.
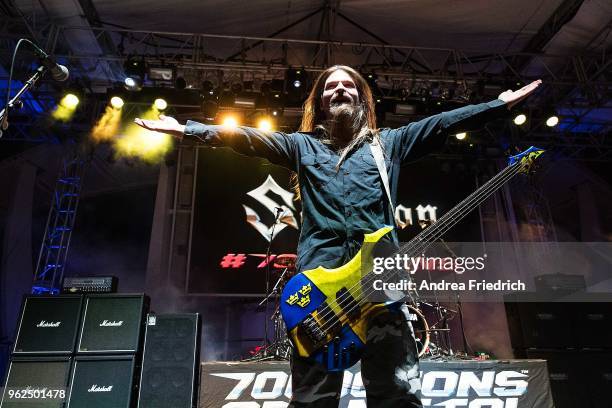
(48, 325)
(102, 382)
(36, 382)
(112, 324)
(171, 361)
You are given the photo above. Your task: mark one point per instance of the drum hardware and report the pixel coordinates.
(280, 347)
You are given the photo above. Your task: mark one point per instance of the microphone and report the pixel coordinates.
(58, 72)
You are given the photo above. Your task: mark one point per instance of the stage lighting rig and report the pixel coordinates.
(208, 88)
(520, 119)
(296, 78)
(160, 104)
(117, 102)
(230, 121)
(70, 101)
(161, 74)
(552, 120)
(264, 124)
(135, 69)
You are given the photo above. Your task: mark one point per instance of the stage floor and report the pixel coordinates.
(485, 384)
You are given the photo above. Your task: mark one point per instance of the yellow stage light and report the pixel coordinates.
(552, 121)
(520, 119)
(107, 128)
(160, 104)
(265, 124)
(142, 143)
(230, 122)
(117, 102)
(461, 136)
(66, 108)
(70, 101)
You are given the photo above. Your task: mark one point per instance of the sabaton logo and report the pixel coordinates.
(286, 216)
(44, 323)
(112, 323)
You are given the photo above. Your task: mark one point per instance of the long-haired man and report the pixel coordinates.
(343, 197)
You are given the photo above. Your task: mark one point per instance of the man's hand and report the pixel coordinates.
(513, 97)
(165, 124)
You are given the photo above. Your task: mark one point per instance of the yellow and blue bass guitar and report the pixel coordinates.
(326, 310)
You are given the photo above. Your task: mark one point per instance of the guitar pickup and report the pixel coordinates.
(328, 318)
(312, 329)
(348, 304)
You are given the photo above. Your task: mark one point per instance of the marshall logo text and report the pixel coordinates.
(111, 323)
(44, 323)
(97, 388)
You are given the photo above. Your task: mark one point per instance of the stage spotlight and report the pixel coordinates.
(208, 88)
(552, 121)
(230, 122)
(160, 104)
(132, 84)
(296, 77)
(65, 109)
(117, 102)
(70, 101)
(520, 119)
(135, 70)
(209, 109)
(265, 124)
(461, 136)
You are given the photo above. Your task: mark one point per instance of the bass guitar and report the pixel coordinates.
(326, 310)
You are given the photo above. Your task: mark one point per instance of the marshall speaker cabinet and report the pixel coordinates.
(36, 382)
(112, 324)
(48, 325)
(102, 382)
(171, 361)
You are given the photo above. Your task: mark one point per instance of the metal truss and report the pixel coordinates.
(273, 55)
(577, 83)
(60, 223)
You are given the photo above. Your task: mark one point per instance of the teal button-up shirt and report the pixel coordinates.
(339, 206)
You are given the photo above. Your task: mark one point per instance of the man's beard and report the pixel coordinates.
(345, 122)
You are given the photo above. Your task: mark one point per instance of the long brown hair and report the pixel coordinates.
(314, 117)
(313, 113)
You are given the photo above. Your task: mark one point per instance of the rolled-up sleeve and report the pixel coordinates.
(277, 147)
(419, 138)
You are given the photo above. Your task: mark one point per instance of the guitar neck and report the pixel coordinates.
(448, 220)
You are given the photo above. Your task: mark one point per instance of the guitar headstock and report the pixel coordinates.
(526, 158)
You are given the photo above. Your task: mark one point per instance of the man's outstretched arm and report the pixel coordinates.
(419, 138)
(277, 147)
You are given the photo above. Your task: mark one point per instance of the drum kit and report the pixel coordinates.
(433, 340)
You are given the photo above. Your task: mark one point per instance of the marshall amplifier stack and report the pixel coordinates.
(76, 351)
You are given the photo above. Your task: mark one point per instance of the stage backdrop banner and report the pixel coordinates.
(482, 384)
(236, 202)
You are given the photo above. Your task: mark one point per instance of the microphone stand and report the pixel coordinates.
(279, 212)
(15, 101)
(466, 347)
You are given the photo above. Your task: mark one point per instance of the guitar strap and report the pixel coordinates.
(377, 153)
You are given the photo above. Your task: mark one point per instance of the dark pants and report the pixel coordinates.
(389, 369)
